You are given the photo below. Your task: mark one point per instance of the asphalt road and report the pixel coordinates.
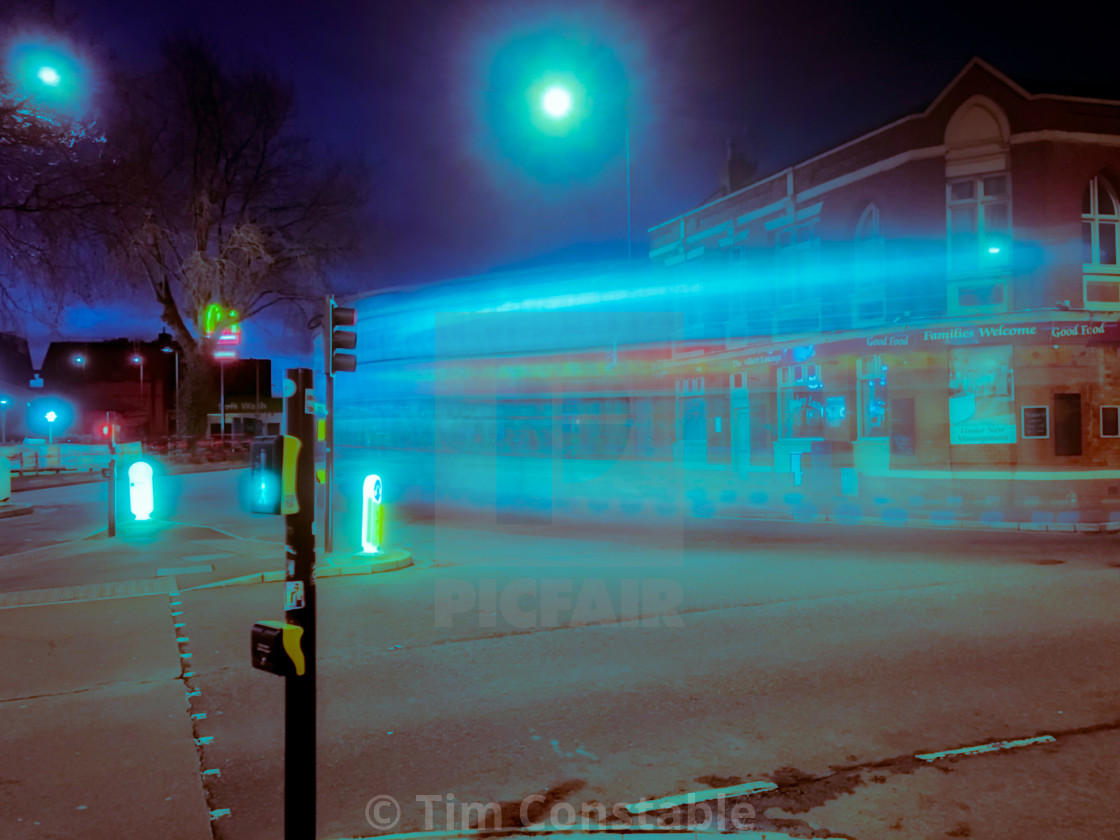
(594, 663)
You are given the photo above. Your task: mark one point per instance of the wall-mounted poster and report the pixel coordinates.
(981, 395)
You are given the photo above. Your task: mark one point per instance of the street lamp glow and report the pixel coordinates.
(51, 416)
(557, 102)
(49, 76)
(79, 360)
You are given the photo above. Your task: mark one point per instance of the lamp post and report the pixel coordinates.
(137, 359)
(4, 403)
(51, 417)
(558, 104)
(176, 352)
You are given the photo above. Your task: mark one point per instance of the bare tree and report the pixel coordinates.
(216, 200)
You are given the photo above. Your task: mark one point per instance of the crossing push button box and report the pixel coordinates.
(276, 648)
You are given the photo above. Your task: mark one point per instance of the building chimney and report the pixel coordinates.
(737, 170)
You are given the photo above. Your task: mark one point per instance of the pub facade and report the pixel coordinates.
(938, 296)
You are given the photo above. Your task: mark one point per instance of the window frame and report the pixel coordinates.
(870, 369)
(1096, 271)
(981, 202)
(1100, 417)
(796, 262)
(869, 288)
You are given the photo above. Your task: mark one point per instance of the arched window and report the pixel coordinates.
(869, 270)
(1100, 219)
(868, 226)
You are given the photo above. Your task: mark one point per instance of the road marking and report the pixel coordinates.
(221, 812)
(984, 748)
(186, 655)
(175, 614)
(194, 693)
(215, 771)
(204, 740)
(87, 592)
(199, 716)
(180, 625)
(181, 639)
(666, 802)
(202, 558)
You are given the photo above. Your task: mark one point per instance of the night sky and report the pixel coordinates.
(416, 89)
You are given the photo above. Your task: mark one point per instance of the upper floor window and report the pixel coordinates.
(798, 257)
(979, 221)
(1100, 219)
(870, 265)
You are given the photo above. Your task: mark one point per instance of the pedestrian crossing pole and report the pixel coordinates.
(111, 428)
(299, 605)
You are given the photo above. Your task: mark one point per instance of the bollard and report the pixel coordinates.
(372, 518)
(140, 498)
(5, 478)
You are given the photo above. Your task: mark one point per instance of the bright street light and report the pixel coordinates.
(48, 72)
(49, 76)
(563, 105)
(557, 102)
(51, 417)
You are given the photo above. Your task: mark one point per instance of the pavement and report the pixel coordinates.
(524, 662)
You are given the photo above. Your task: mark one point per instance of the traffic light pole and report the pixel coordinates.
(328, 375)
(334, 316)
(299, 609)
(112, 524)
(328, 507)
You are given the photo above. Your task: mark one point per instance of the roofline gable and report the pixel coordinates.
(975, 61)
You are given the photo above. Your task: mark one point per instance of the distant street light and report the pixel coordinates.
(79, 360)
(51, 417)
(137, 359)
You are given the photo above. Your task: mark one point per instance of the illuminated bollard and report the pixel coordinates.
(140, 498)
(372, 516)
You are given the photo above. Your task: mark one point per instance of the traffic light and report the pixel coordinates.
(335, 339)
(265, 455)
(272, 474)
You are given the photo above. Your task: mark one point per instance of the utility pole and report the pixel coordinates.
(334, 362)
(222, 409)
(299, 610)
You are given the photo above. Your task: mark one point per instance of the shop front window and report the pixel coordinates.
(873, 395)
(802, 404)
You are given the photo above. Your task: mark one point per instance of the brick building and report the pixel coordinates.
(937, 297)
(137, 380)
